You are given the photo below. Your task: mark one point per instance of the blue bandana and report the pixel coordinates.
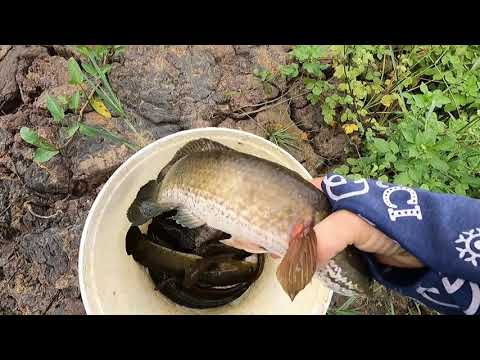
(441, 230)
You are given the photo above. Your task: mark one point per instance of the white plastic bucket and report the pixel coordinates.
(111, 282)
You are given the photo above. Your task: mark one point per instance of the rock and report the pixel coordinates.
(66, 51)
(94, 160)
(243, 50)
(46, 248)
(4, 49)
(44, 73)
(219, 52)
(95, 119)
(13, 122)
(331, 143)
(62, 90)
(308, 118)
(48, 258)
(184, 85)
(278, 118)
(9, 93)
(5, 140)
(50, 177)
(249, 125)
(241, 86)
(299, 99)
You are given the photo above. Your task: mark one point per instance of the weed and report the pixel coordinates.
(345, 308)
(416, 107)
(283, 138)
(92, 80)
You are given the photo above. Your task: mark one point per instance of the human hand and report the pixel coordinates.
(343, 228)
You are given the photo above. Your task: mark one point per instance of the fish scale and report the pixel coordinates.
(257, 202)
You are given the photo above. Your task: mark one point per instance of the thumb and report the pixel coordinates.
(343, 228)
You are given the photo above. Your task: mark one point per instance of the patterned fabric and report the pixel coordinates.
(441, 230)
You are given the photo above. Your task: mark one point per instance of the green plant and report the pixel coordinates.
(264, 75)
(416, 108)
(283, 138)
(92, 81)
(345, 308)
(422, 151)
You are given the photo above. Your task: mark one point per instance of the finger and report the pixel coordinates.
(343, 228)
(334, 233)
(317, 182)
(404, 261)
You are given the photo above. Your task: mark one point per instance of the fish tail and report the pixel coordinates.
(132, 239)
(145, 205)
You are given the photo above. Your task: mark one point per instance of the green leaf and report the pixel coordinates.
(445, 144)
(84, 50)
(74, 71)
(316, 90)
(88, 131)
(290, 70)
(28, 135)
(31, 136)
(381, 145)
(342, 170)
(62, 101)
(55, 109)
(402, 179)
(43, 155)
(383, 178)
(100, 51)
(313, 68)
(439, 99)
(439, 164)
(119, 49)
(450, 78)
(106, 68)
(461, 189)
(390, 158)
(301, 53)
(423, 88)
(71, 130)
(89, 69)
(408, 133)
(416, 173)
(421, 138)
(93, 131)
(74, 101)
(393, 147)
(476, 65)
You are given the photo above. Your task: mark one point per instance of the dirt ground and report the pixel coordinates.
(165, 89)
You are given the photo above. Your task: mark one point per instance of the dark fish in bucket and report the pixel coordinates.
(190, 280)
(265, 207)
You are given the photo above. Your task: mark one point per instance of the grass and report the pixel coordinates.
(382, 302)
(416, 110)
(89, 81)
(283, 138)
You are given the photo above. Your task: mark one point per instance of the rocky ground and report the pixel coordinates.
(164, 89)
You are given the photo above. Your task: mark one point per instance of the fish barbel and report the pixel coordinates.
(264, 206)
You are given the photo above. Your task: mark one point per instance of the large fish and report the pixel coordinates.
(264, 206)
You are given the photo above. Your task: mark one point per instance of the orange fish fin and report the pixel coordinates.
(299, 263)
(244, 245)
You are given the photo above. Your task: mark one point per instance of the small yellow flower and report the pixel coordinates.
(350, 128)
